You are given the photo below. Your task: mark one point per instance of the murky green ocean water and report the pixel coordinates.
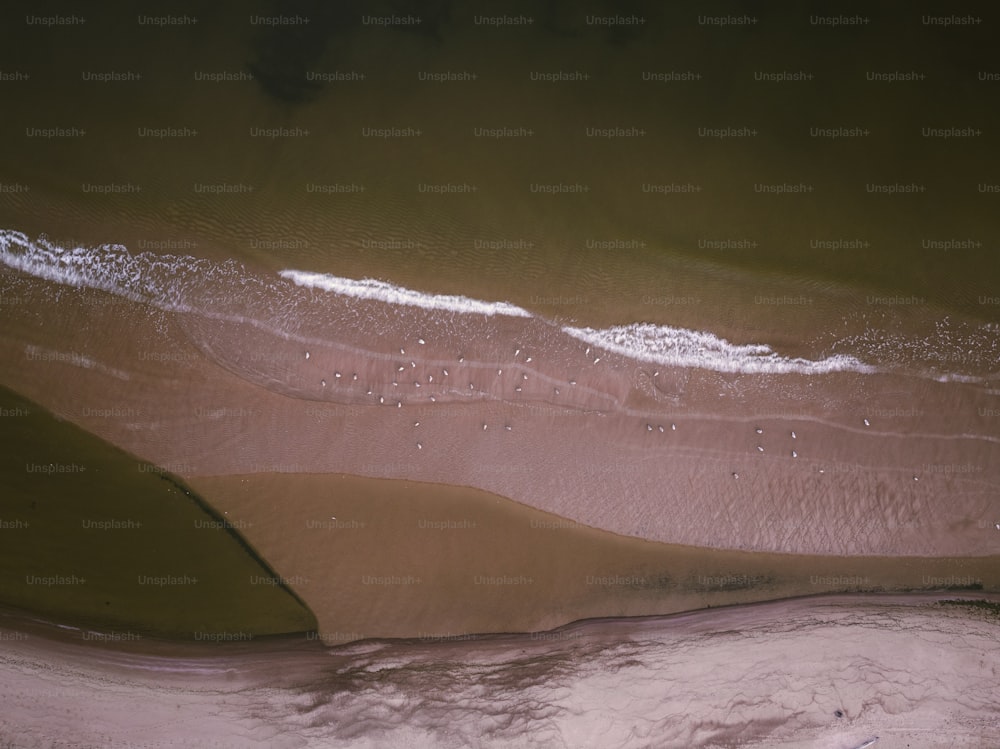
(757, 144)
(93, 537)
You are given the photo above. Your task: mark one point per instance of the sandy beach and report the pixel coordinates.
(638, 365)
(827, 672)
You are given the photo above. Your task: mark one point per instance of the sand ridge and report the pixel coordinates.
(393, 558)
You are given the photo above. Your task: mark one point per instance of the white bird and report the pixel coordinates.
(421, 341)
(323, 383)
(793, 436)
(307, 354)
(867, 423)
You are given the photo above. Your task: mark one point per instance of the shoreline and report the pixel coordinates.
(30, 624)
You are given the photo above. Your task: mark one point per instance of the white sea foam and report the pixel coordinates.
(188, 284)
(71, 267)
(381, 291)
(680, 347)
(658, 344)
(146, 277)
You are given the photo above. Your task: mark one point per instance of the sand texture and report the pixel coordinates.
(907, 669)
(838, 463)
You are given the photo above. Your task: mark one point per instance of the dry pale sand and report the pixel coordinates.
(906, 669)
(919, 482)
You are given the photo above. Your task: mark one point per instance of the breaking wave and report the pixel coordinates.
(282, 304)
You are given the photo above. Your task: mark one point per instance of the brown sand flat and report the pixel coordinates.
(899, 485)
(383, 558)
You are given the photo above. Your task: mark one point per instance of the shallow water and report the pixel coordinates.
(324, 320)
(94, 536)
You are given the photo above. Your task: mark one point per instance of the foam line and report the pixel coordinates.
(680, 347)
(187, 284)
(370, 288)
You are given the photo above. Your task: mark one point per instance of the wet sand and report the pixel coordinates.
(879, 464)
(389, 557)
(383, 558)
(824, 672)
